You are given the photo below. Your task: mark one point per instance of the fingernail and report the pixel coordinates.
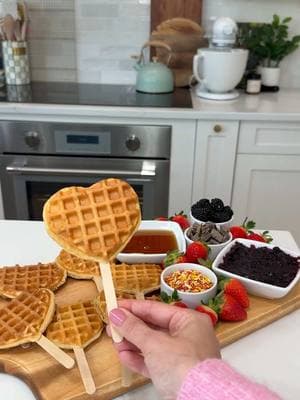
(117, 317)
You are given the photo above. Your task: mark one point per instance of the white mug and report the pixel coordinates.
(220, 71)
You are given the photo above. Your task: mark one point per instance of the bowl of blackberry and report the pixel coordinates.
(213, 211)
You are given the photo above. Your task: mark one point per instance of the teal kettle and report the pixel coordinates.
(154, 77)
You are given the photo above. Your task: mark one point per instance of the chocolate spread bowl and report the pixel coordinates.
(256, 286)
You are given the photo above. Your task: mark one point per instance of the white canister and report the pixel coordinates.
(16, 63)
(269, 76)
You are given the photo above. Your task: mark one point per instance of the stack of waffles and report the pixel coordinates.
(91, 225)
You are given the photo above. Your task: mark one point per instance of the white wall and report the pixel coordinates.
(93, 40)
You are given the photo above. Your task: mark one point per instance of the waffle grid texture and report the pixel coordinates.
(75, 325)
(25, 318)
(95, 222)
(77, 267)
(16, 279)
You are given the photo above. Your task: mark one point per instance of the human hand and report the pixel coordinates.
(163, 342)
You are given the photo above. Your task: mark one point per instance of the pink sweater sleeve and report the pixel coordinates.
(216, 380)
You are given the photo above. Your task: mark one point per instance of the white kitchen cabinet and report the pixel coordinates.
(214, 161)
(266, 184)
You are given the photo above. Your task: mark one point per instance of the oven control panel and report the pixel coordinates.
(83, 139)
(70, 141)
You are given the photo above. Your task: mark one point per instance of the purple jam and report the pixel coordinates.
(263, 264)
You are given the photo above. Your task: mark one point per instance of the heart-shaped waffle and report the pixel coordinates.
(76, 267)
(25, 318)
(17, 279)
(96, 222)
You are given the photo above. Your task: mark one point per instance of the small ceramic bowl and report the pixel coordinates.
(136, 258)
(192, 300)
(256, 288)
(214, 248)
(225, 225)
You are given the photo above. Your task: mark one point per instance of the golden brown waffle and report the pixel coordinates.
(96, 222)
(136, 278)
(77, 267)
(100, 303)
(25, 318)
(17, 279)
(75, 325)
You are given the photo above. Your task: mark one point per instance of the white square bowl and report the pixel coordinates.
(136, 258)
(256, 288)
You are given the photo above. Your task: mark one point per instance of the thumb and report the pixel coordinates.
(132, 328)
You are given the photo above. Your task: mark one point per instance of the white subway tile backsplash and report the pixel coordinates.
(93, 40)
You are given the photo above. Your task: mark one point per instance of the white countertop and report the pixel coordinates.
(281, 106)
(270, 356)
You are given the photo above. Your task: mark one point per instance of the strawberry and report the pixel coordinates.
(173, 300)
(241, 232)
(181, 219)
(179, 304)
(195, 251)
(238, 232)
(260, 237)
(228, 308)
(209, 311)
(161, 219)
(174, 257)
(236, 289)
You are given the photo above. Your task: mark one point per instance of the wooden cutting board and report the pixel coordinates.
(50, 381)
(162, 10)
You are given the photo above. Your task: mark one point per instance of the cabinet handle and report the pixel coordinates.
(218, 128)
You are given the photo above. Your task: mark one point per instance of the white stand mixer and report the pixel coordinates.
(220, 67)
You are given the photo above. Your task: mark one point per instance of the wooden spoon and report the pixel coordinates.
(8, 27)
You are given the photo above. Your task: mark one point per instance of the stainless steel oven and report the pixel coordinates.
(39, 158)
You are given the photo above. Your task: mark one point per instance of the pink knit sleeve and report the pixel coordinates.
(216, 380)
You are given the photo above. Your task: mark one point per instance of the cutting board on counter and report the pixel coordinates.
(50, 381)
(162, 10)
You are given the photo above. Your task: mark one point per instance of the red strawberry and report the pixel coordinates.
(181, 219)
(161, 219)
(179, 304)
(256, 236)
(241, 232)
(236, 289)
(174, 257)
(228, 308)
(174, 299)
(195, 251)
(238, 232)
(209, 311)
(260, 237)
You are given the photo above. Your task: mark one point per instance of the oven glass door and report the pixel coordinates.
(27, 182)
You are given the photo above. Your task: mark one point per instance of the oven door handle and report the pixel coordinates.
(14, 169)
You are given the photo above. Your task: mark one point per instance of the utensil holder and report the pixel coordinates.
(16, 63)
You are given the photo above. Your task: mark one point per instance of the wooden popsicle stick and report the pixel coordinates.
(98, 283)
(110, 296)
(140, 296)
(84, 370)
(126, 376)
(59, 355)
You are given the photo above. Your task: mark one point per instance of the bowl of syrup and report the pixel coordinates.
(152, 241)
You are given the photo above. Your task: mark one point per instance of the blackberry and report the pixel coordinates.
(203, 214)
(228, 212)
(217, 204)
(203, 203)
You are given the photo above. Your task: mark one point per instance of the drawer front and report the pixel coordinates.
(269, 138)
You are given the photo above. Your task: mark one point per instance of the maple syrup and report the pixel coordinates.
(152, 242)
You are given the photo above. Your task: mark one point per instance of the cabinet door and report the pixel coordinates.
(267, 190)
(215, 153)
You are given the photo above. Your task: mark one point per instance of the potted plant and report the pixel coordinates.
(269, 44)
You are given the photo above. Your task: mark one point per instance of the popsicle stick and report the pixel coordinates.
(110, 295)
(140, 296)
(84, 370)
(126, 376)
(98, 283)
(59, 355)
